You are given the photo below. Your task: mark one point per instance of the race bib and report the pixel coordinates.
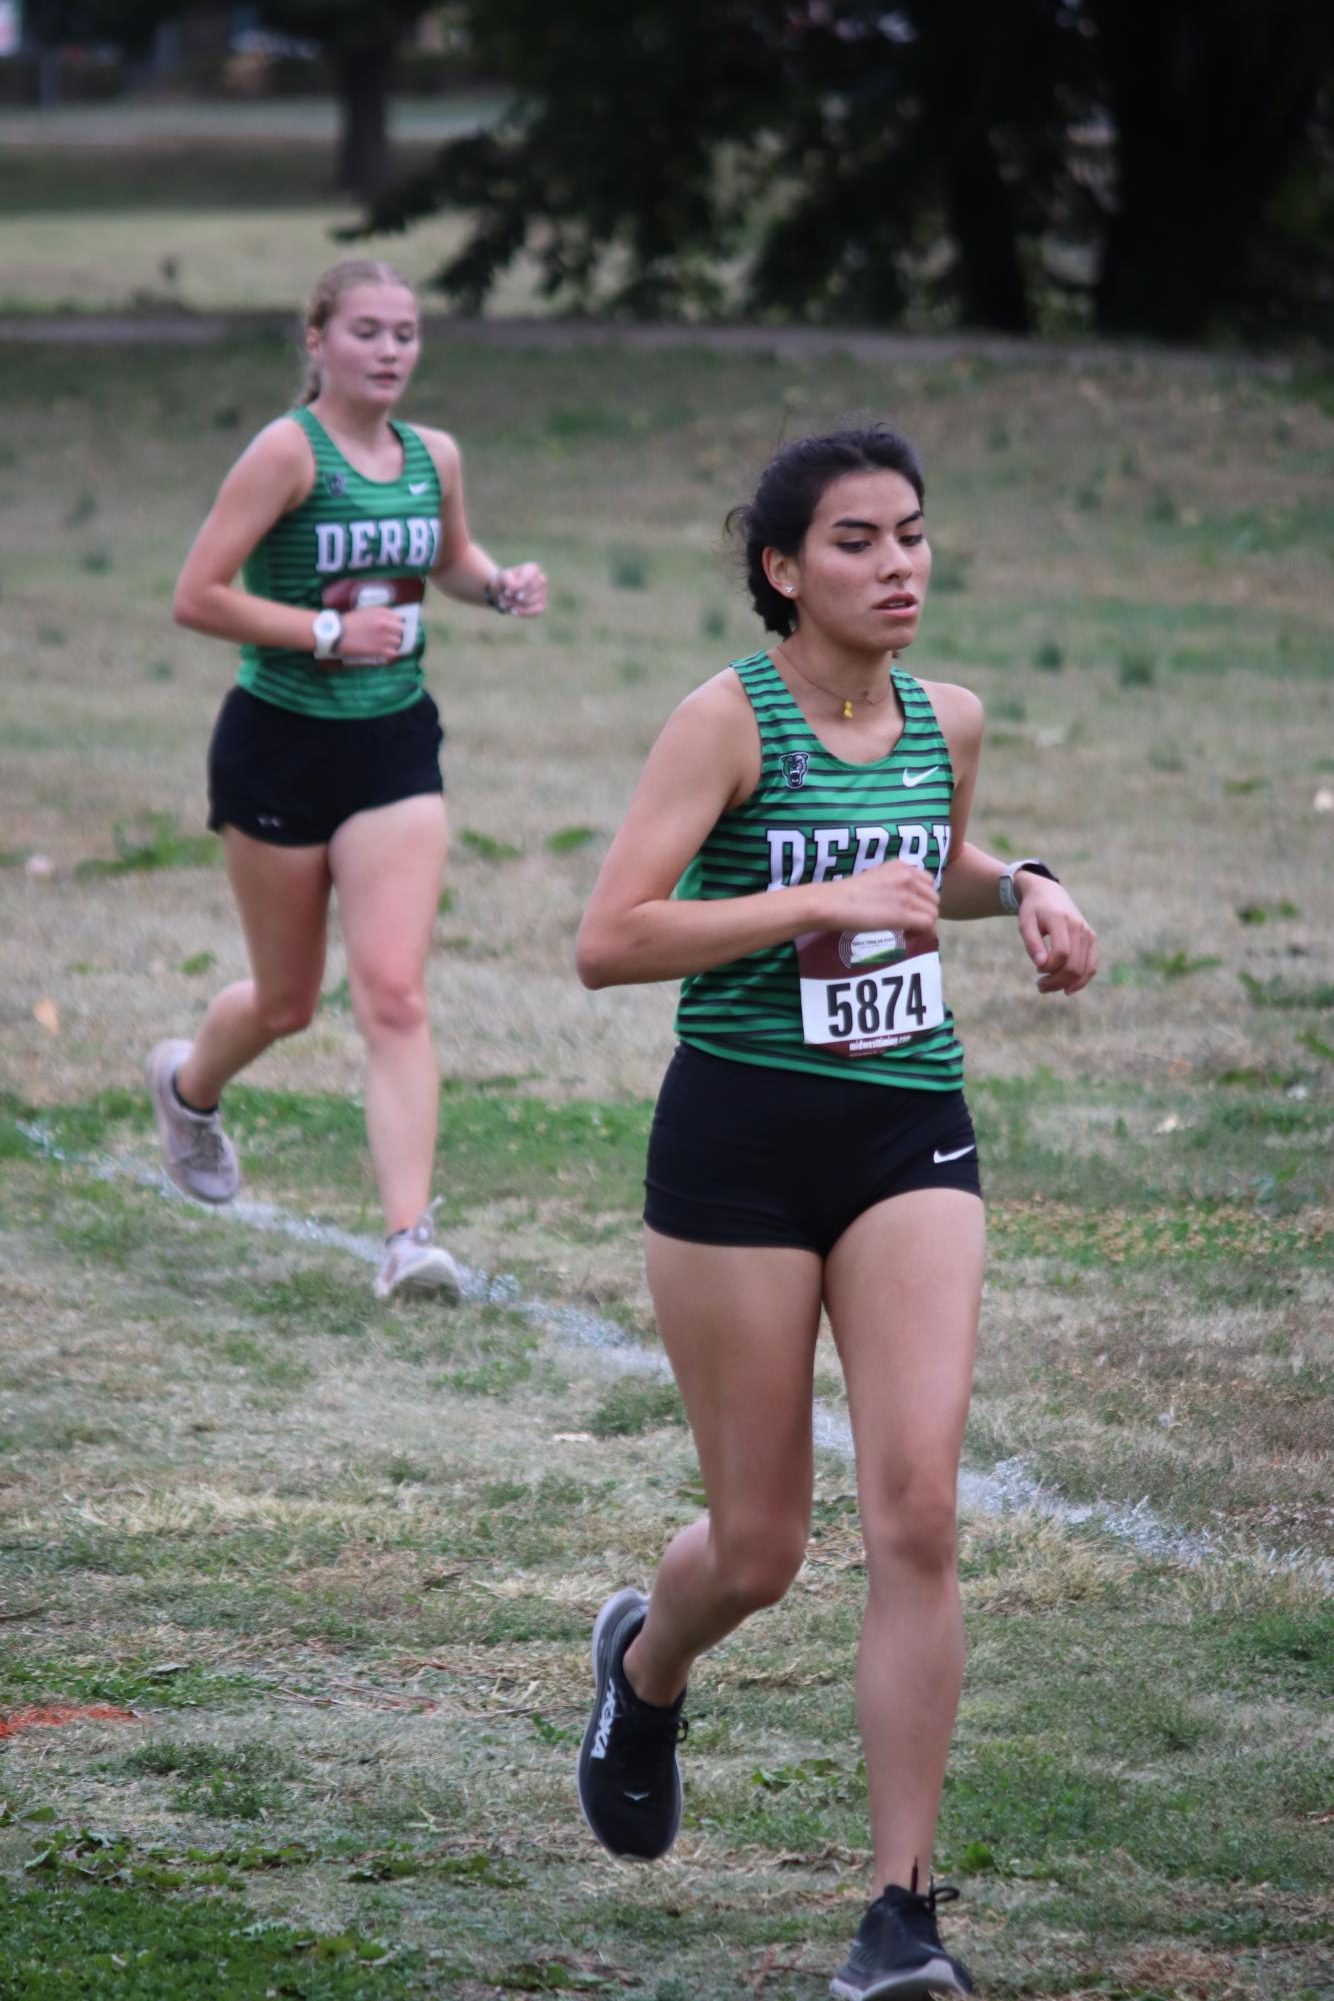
(405, 594)
(864, 991)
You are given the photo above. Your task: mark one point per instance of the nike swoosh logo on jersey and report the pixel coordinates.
(940, 1158)
(912, 778)
(419, 486)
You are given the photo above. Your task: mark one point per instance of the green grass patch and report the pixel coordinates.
(65, 1939)
(155, 842)
(487, 847)
(1136, 669)
(628, 569)
(633, 1406)
(124, 1682)
(1283, 993)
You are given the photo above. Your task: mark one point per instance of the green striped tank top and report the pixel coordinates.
(352, 541)
(863, 1006)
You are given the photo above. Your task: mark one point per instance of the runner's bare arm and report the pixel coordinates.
(1058, 938)
(463, 570)
(272, 476)
(969, 885)
(707, 759)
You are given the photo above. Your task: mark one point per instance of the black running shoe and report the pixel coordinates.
(629, 1785)
(897, 1950)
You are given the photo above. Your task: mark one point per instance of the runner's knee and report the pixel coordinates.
(285, 1013)
(387, 1005)
(913, 1525)
(758, 1562)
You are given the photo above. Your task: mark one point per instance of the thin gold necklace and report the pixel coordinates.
(871, 701)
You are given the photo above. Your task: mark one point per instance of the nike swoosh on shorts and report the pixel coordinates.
(940, 1158)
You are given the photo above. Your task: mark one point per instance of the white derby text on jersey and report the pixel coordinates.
(796, 857)
(340, 546)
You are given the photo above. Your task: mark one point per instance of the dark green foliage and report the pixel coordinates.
(834, 148)
(1201, 229)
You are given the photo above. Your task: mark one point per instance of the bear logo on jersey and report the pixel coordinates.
(795, 763)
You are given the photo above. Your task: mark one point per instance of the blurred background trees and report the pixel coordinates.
(357, 41)
(1165, 165)
(1150, 167)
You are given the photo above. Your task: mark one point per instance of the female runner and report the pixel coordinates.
(324, 768)
(812, 1147)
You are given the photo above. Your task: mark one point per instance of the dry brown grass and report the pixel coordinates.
(546, 731)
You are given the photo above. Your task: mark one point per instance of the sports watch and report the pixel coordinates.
(1009, 901)
(328, 631)
(496, 594)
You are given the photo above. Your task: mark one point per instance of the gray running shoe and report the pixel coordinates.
(196, 1152)
(414, 1262)
(897, 1954)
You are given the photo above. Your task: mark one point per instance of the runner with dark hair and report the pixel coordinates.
(798, 831)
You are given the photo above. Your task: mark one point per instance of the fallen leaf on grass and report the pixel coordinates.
(49, 1716)
(47, 1015)
(769, 1968)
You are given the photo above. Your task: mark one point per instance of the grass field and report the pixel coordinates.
(140, 206)
(335, 1564)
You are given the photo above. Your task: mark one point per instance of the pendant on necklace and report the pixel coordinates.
(847, 709)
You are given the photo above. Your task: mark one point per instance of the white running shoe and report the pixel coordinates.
(196, 1152)
(414, 1262)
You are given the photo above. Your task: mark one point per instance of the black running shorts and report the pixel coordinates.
(292, 780)
(743, 1154)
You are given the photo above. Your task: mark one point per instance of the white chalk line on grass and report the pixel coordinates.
(1009, 1488)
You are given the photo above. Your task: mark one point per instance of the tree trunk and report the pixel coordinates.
(959, 70)
(991, 281)
(362, 76)
(1210, 104)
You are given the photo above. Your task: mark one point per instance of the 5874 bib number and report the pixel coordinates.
(863, 991)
